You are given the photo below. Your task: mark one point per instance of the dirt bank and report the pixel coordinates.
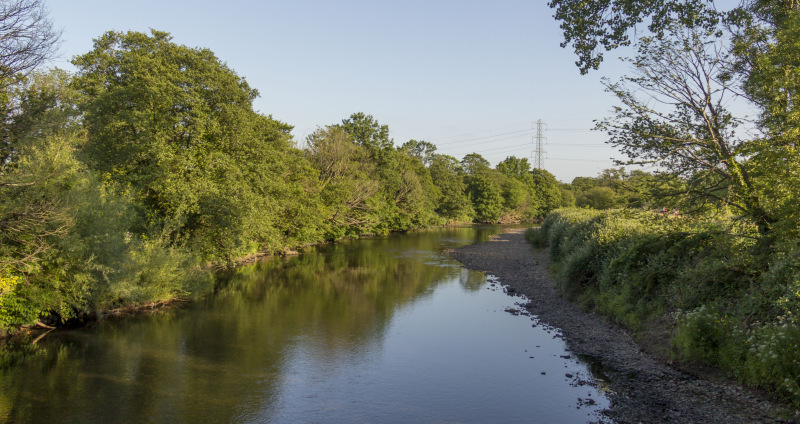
(643, 388)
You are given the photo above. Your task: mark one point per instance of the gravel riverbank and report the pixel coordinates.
(643, 388)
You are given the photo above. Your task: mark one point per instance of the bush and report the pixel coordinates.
(536, 237)
(156, 272)
(741, 289)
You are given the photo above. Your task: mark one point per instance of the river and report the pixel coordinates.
(374, 330)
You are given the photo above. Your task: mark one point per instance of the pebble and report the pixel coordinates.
(641, 388)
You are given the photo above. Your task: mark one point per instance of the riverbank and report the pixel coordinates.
(32, 331)
(643, 387)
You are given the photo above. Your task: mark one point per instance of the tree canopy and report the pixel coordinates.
(176, 126)
(27, 38)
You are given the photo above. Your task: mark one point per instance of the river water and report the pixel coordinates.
(375, 330)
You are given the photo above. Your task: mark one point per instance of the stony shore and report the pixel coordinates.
(644, 388)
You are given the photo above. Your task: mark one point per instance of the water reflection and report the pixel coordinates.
(372, 330)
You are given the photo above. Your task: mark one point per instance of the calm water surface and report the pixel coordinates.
(380, 330)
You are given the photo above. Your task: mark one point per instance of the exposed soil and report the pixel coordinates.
(644, 388)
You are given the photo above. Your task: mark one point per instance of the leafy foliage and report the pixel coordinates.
(349, 189)
(486, 195)
(367, 132)
(172, 125)
(727, 280)
(729, 302)
(590, 25)
(451, 197)
(122, 183)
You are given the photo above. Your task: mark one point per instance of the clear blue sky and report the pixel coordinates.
(468, 76)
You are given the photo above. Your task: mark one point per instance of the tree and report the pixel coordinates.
(176, 127)
(473, 163)
(452, 202)
(567, 197)
(519, 189)
(769, 55)
(695, 138)
(581, 184)
(598, 198)
(768, 49)
(753, 176)
(54, 260)
(517, 168)
(590, 25)
(41, 104)
(33, 174)
(404, 181)
(367, 132)
(515, 193)
(546, 189)
(405, 188)
(421, 150)
(27, 38)
(348, 179)
(486, 196)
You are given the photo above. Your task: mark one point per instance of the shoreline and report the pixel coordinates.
(208, 268)
(643, 387)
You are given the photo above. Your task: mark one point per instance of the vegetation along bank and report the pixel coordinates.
(696, 291)
(123, 182)
(642, 387)
(711, 107)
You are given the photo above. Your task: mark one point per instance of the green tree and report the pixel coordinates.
(598, 198)
(64, 243)
(35, 176)
(595, 26)
(769, 55)
(567, 197)
(483, 188)
(547, 190)
(348, 179)
(367, 132)
(514, 167)
(473, 163)
(519, 189)
(176, 127)
(581, 184)
(515, 193)
(486, 196)
(405, 188)
(452, 202)
(421, 150)
(695, 140)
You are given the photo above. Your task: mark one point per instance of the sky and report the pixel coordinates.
(468, 76)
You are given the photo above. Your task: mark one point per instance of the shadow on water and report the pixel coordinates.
(384, 329)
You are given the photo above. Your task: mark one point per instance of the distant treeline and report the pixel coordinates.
(121, 182)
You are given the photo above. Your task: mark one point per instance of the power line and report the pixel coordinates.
(582, 160)
(507, 148)
(480, 143)
(581, 144)
(475, 133)
(482, 138)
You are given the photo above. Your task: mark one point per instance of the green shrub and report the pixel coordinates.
(536, 237)
(156, 272)
(741, 289)
(772, 359)
(700, 334)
